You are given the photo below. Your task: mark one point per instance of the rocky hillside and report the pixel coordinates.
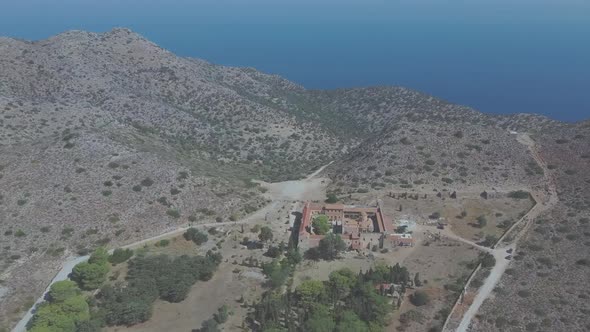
(107, 138)
(412, 141)
(546, 287)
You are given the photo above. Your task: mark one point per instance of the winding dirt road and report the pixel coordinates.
(279, 193)
(546, 198)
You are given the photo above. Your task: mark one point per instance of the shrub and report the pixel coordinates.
(487, 260)
(222, 314)
(482, 221)
(489, 241)
(195, 235)
(519, 194)
(273, 252)
(332, 198)
(265, 234)
(174, 213)
(447, 180)
(90, 276)
(419, 298)
(163, 243)
(164, 201)
(210, 325)
(147, 182)
(120, 255)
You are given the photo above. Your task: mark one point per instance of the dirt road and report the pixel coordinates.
(278, 193)
(546, 198)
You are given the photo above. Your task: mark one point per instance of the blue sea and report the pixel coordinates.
(498, 56)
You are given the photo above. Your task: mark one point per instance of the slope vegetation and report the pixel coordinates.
(108, 138)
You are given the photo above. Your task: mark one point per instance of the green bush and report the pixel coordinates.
(174, 213)
(163, 243)
(265, 234)
(519, 194)
(332, 198)
(195, 235)
(92, 274)
(120, 255)
(419, 298)
(487, 260)
(481, 221)
(147, 182)
(222, 314)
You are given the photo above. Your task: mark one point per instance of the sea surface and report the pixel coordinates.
(498, 56)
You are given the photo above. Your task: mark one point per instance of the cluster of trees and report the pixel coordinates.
(346, 302)
(264, 235)
(329, 248)
(331, 198)
(195, 235)
(93, 273)
(275, 251)
(65, 310)
(321, 225)
(120, 255)
(279, 270)
(489, 241)
(149, 278)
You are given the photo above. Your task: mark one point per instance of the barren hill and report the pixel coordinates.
(107, 138)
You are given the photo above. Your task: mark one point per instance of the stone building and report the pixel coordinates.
(357, 225)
